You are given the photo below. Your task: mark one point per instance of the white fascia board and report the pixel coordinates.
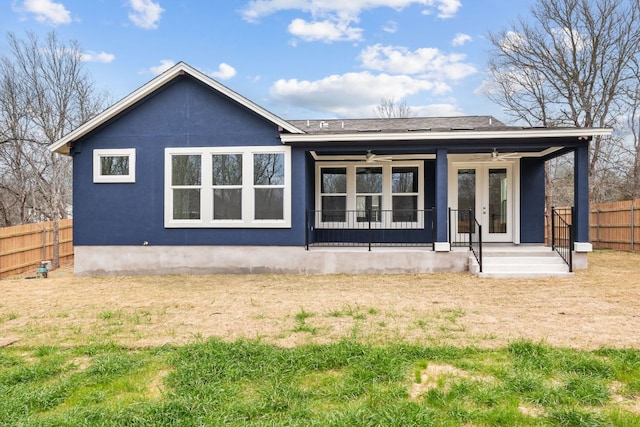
(449, 135)
(61, 146)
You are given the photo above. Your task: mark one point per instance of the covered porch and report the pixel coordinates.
(420, 184)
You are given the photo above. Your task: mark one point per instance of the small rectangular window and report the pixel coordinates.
(114, 165)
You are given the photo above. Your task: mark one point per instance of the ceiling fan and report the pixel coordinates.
(372, 157)
(494, 156)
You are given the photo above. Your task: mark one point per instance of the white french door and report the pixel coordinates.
(487, 190)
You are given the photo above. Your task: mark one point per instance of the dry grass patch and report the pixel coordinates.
(596, 307)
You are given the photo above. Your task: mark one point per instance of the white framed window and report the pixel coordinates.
(228, 187)
(354, 195)
(114, 165)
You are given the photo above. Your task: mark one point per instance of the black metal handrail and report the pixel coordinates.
(476, 247)
(463, 225)
(562, 234)
(370, 227)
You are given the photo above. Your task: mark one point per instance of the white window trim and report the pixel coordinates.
(387, 193)
(118, 152)
(206, 195)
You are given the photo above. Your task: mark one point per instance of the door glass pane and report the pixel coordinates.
(497, 200)
(466, 198)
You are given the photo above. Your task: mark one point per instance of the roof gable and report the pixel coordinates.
(62, 145)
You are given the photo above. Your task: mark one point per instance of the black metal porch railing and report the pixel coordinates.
(466, 231)
(562, 234)
(371, 227)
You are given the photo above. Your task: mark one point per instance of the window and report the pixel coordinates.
(384, 195)
(404, 193)
(114, 165)
(228, 187)
(333, 194)
(369, 194)
(268, 185)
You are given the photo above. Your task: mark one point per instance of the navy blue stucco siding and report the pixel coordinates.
(532, 194)
(182, 114)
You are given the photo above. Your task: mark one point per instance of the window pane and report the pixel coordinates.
(497, 200)
(466, 198)
(369, 180)
(405, 208)
(334, 180)
(227, 203)
(114, 165)
(334, 208)
(369, 208)
(186, 203)
(185, 169)
(269, 203)
(227, 169)
(268, 169)
(404, 180)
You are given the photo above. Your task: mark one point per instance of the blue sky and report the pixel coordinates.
(298, 58)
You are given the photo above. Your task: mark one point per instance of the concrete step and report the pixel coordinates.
(523, 264)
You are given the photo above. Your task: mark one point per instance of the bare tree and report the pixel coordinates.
(389, 108)
(570, 63)
(44, 94)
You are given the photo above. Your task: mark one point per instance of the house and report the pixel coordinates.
(187, 176)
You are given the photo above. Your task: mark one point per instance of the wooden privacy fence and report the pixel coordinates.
(615, 225)
(23, 247)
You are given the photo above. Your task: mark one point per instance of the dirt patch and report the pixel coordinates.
(597, 307)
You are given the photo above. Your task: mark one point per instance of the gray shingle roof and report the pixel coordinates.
(408, 124)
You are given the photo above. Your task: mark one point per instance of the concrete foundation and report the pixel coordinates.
(134, 260)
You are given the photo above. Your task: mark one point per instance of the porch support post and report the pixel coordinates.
(581, 199)
(442, 243)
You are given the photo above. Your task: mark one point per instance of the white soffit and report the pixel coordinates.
(580, 133)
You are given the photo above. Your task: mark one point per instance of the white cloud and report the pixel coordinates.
(338, 14)
(326, 31)
(427, 62)
(91, 56)
(448, 8)
(165, 64)
(351, 94)
(47, 11)
(461, 39)
(390, 27)
(225, 72)
(512, 41)
(145, 13)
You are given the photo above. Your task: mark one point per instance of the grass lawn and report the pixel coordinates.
(405, 350)
(341, 384)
